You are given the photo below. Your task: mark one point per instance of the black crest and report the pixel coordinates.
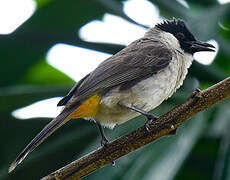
(178, 28)
(174, 27)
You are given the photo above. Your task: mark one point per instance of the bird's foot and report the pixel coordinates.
(150, 118)
(195, 93)
(104, 142)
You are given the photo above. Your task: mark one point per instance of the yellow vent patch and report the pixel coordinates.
(88, 108)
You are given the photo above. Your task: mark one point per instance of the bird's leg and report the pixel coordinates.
(104, 140)
(149, 116)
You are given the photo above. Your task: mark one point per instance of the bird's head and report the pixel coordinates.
(187, 41)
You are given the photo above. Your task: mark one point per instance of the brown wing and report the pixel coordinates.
(140, 59)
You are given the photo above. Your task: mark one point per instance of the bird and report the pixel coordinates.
(131, 82)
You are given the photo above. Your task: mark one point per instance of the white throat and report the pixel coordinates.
(172, 43)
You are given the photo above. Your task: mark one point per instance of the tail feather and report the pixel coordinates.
(46, 131)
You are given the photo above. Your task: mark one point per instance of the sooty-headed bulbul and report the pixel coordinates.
(134, 81)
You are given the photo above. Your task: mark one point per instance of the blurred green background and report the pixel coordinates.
(201, 149)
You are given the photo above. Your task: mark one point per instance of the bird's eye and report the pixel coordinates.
(180, 36)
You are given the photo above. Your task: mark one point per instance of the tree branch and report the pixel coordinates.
(165, 125)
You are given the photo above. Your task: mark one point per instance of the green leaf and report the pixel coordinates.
(27, 78)
(44, 74)
(58, 21)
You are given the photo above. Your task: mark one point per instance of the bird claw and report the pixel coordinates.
(104, 142)
(151, 118)
(147, 127)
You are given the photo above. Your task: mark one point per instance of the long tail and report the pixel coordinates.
(46, 131)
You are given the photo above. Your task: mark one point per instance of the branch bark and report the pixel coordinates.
(165, 125)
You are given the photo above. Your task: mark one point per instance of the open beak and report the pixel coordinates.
(197, 46)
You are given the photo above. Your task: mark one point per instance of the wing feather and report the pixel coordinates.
(141, 59)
